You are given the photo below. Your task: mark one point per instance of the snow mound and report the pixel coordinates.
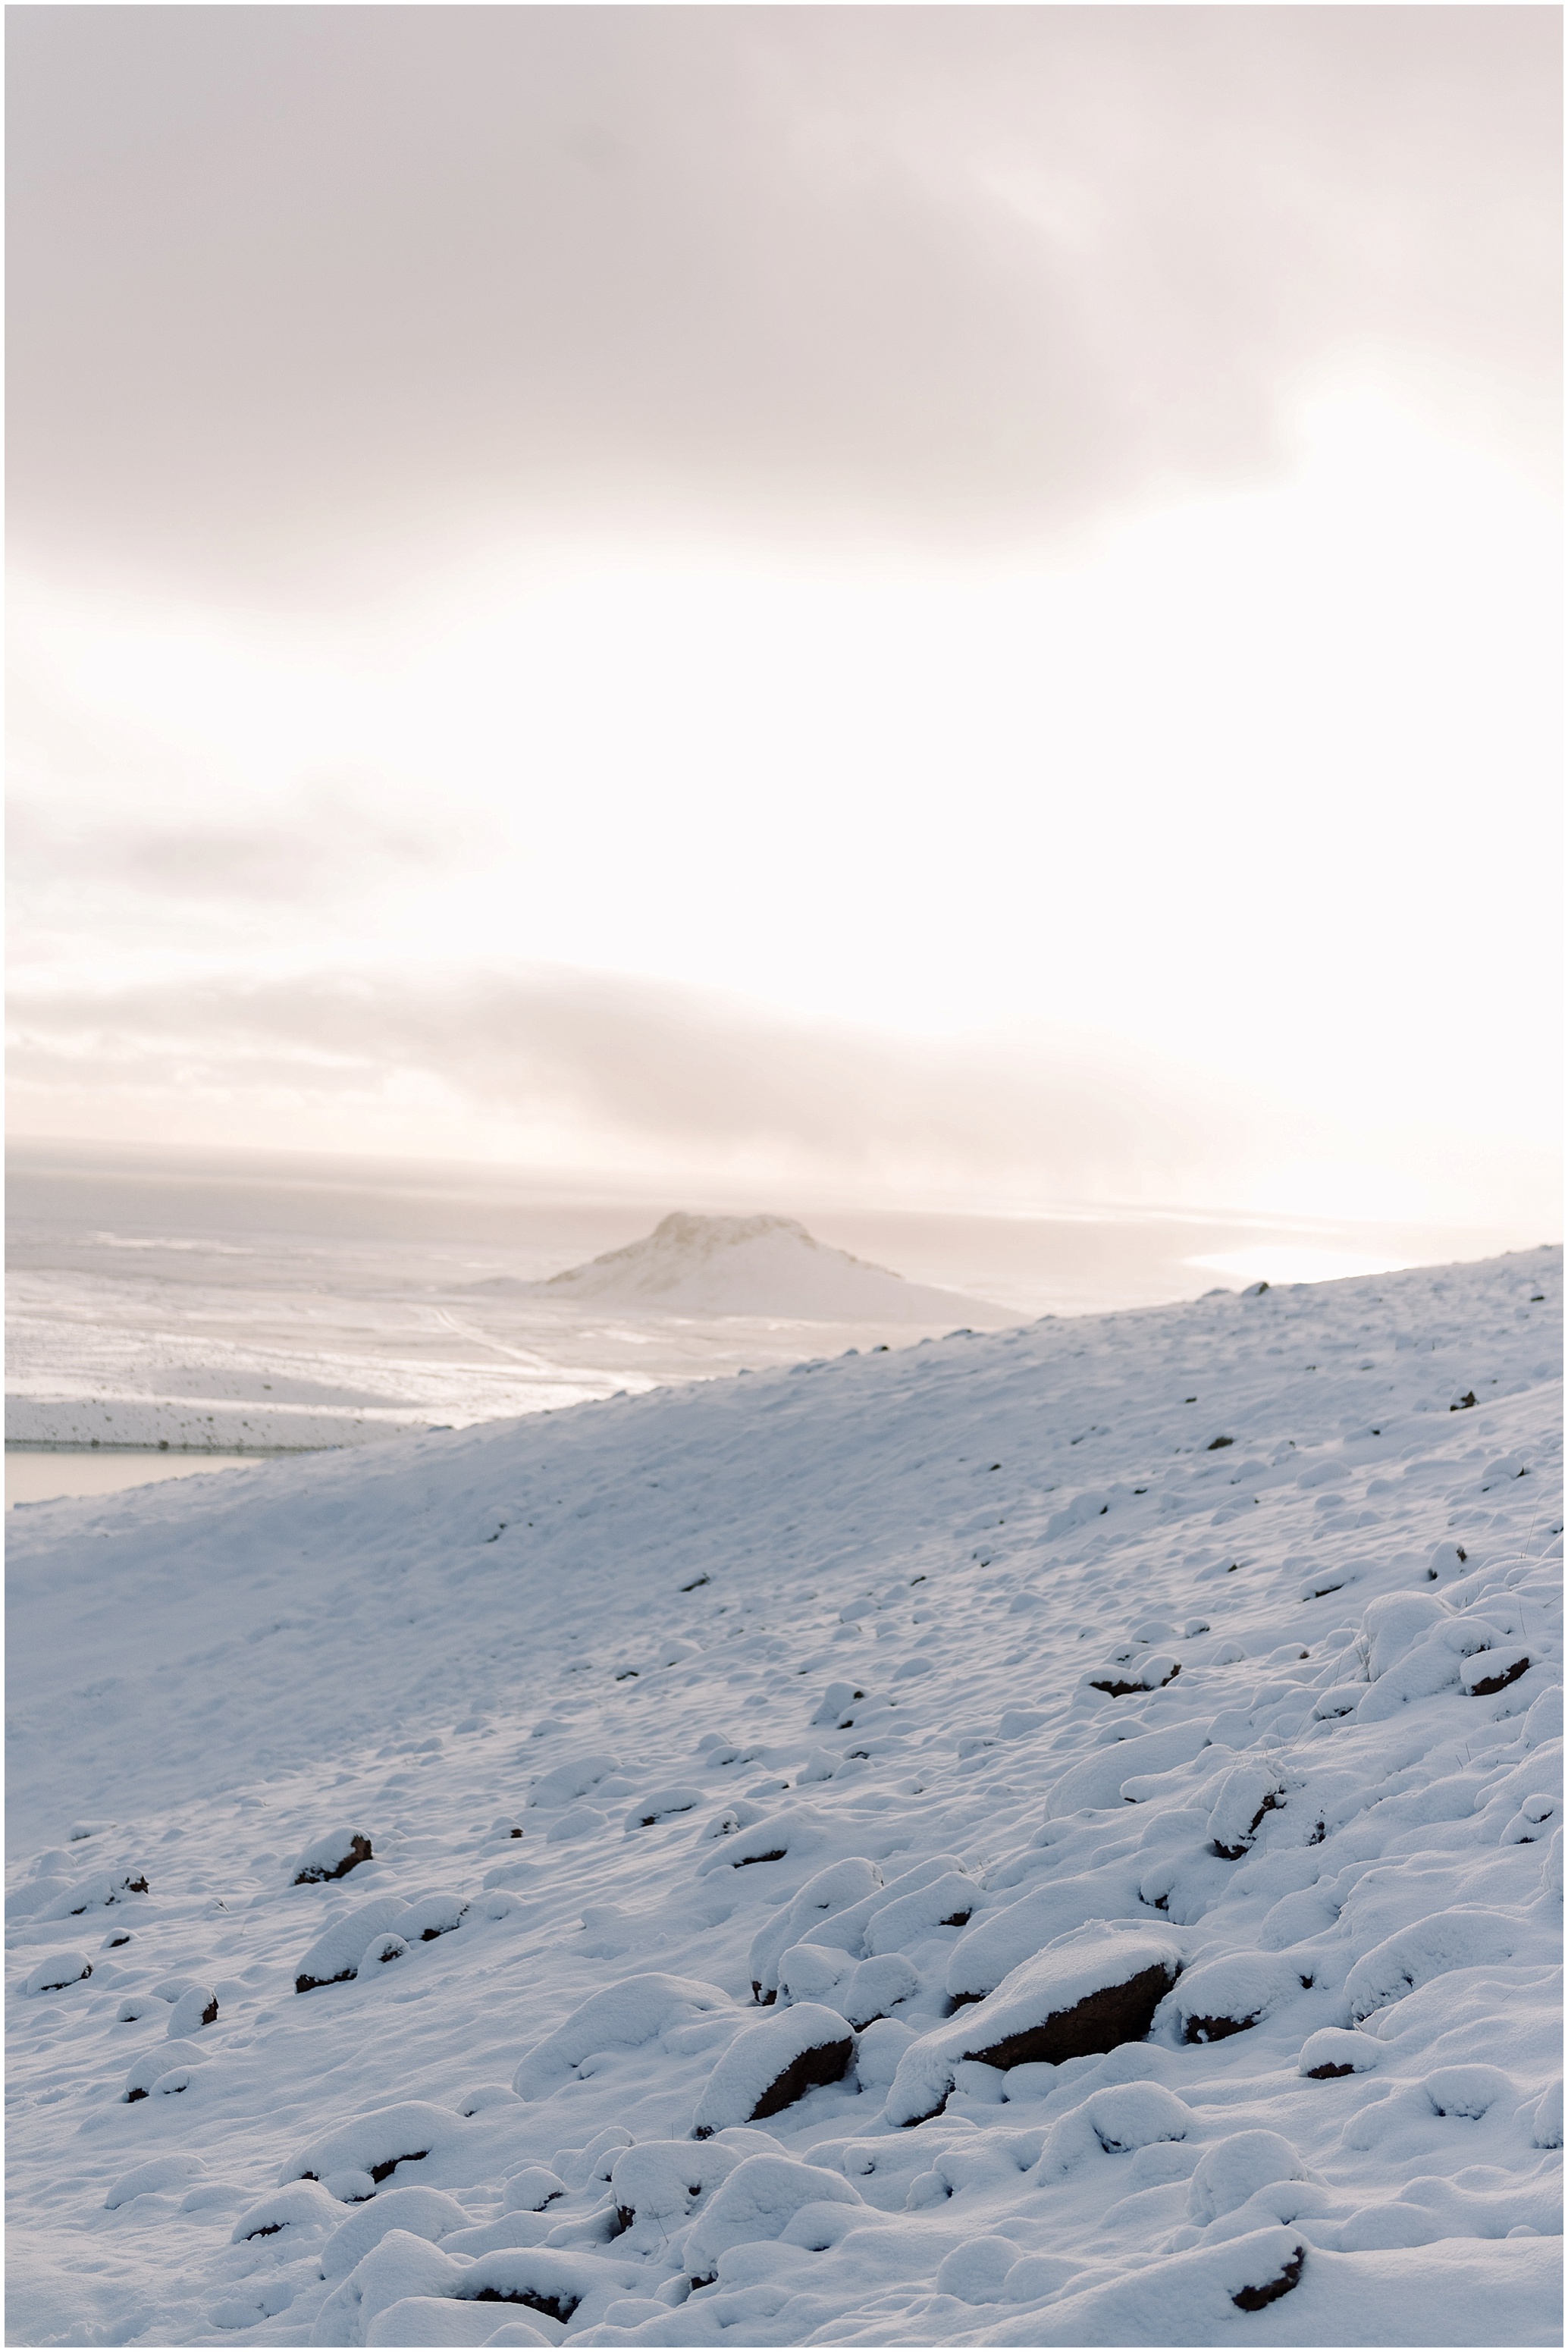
(757, 2202)
(623, 2017)
(753, 1265)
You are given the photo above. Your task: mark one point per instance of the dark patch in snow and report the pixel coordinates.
(1256, 2298)
(1102, 2021)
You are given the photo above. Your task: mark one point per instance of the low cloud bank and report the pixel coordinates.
(548, 1067)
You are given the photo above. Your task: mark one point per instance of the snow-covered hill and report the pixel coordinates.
(1050, 1838)
(753, 1265)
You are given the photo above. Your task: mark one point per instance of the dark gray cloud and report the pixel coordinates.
(298, 295)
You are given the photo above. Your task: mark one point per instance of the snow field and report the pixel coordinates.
(1025, 1991)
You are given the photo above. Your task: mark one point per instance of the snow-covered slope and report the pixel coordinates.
(754, 1265)
(1124, 1755)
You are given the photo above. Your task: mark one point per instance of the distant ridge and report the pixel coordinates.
(752, 1265)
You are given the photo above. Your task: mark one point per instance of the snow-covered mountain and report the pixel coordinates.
(1041, 1839)
(762, 1266)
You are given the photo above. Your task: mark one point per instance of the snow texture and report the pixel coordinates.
(763, 1724)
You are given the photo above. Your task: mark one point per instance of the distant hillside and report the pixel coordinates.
(753, 1265)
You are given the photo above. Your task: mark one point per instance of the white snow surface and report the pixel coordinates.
(753, 1265)
(793, 1679)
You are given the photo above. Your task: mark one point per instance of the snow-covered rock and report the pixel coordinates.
(770, 2065)
(1087, 1994)
(756, 2203)
(623, 2016)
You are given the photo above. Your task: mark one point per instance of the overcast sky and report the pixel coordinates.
(944, 601)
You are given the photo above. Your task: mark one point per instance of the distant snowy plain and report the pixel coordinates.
(1051, 1837)
(216, 1304)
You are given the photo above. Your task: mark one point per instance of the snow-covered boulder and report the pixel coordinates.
(565, 1783)
(661, 1805)
(165, 2069)
(425, 2214)
(531, 2189)
(1492, 1669)
(333, 1856)
(1000, 1940)
(1134, 1673)
(977, 2272)
(1097, 1779)
(621, 2017)
(196, 2006)
(1113, 2121)
(947, 1901)
(429, 1916)
(98, 1892)
(1229, 2172)
(335, 1956)
(770, 2065)
(659, 2185)
(788, 1834)
(1333, 2051)
(380, 1952)
(1089, 1993)
(1228, 1994)
(1245, 1795)
(160, 2173)
(377, 2143)
(304, 2205)
(1467, 1937)
(830, 1892)
(876, 1986)
(53, 1975)
(757, 2201)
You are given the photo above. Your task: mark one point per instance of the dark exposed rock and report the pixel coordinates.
(1257, 2298)
(315, 1874)
(1485, 1688)
(1116, 2014)
(1116, 1689)
(311, 1984)
(827, 2062)
(1327, 2074)
(1218, 2029)
(558, 2307)
(1234, 1853)
(770, 2065)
